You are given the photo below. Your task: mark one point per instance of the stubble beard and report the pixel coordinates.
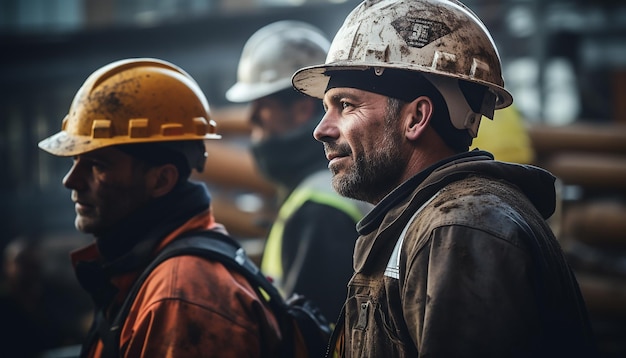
(372, 178)
(115, 203)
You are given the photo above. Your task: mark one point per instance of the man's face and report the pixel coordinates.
(107, 185)
(363, 142)
(271, 117)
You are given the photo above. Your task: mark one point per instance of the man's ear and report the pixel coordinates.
(418, 115)
(162, 179)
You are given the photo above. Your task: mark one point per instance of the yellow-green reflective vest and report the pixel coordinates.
(316, 188)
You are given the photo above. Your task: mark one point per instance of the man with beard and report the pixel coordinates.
(456, 258)
(135, 131)
(310, 245)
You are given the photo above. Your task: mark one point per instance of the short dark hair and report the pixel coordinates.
(182, 154)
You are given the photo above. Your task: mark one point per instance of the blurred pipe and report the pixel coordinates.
(600, 224)
(232, 167)
(599, 171)
(603, 296)
(582, 137)
(232, 120)
(228, 164)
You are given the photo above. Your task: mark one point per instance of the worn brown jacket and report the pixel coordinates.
(478, 272)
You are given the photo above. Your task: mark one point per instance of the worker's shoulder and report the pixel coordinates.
(195, 279)
(477, 202)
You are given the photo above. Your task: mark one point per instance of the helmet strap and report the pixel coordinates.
(462, 115)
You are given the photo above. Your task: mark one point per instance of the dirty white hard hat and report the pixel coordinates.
(271, 56)
(439, 38)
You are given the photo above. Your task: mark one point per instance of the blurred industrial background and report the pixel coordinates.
(564, 62)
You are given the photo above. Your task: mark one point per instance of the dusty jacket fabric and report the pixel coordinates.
(188, 306)
(478, 274)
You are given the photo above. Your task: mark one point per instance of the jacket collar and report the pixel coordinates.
(402, 193)
(388, 218)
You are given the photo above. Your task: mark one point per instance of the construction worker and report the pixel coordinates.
(135, 131)
(456, 258)
(310, 245)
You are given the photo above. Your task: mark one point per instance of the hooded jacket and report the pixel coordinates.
(188, 306)
(476, 272)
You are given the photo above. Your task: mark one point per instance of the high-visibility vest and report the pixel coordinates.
(316, 188)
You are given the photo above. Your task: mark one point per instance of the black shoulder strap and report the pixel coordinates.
(335, 343)
(211, 245)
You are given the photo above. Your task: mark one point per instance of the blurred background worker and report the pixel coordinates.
(309, 248)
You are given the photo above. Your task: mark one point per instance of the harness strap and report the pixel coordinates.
(212, 246)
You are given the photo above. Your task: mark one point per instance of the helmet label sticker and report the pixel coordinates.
(419, 32)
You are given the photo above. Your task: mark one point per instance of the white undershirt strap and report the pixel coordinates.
(393, 266)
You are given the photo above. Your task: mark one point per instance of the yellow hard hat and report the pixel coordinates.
(142, 100)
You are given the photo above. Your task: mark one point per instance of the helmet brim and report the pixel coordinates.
(63, 144)
(242, 92)
(313, 80)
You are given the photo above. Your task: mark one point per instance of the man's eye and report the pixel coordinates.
(345, 105)
(97, 165)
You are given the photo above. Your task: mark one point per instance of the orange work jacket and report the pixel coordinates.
(191, 307)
